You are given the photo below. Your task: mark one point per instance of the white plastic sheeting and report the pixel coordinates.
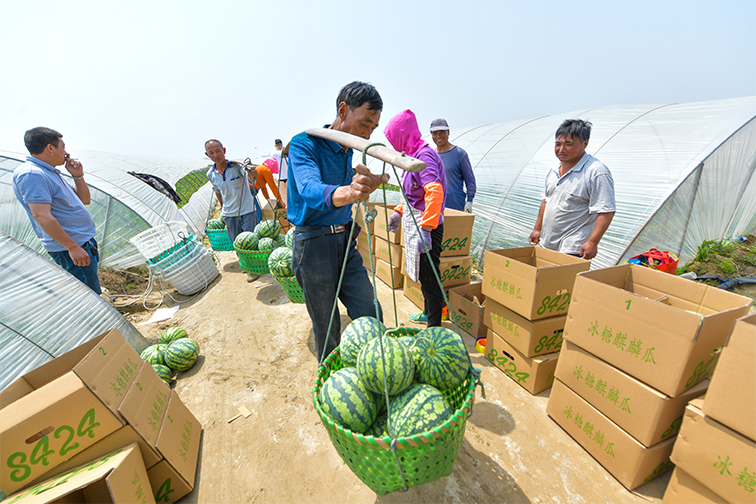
(683, 173)
(122, 206)
(45, 312)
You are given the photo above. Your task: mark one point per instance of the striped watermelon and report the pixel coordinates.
(280, 241)
(385, 358)
(246, 241)
(172, 334)
(268, 229)
(279, 262)
(266, 245)
(154, 354)
(443, 361)
(215, 224)
(379, 427)
(418, 409)
(356, 334)
(290, 237)
(222, 220)
(345, 399)
(182, 354)
(164, 372)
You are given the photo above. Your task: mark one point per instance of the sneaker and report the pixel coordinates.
(419, 318)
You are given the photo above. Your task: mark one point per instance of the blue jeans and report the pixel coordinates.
(317, 264)
(236, 225)
(87, 274)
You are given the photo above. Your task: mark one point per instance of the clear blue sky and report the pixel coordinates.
(158, 78)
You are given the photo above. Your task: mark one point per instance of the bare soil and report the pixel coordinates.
(257, 351)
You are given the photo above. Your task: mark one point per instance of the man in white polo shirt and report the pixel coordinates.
(55, 207)
(578, 199)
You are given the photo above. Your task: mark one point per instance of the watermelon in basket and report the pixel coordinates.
(425, 455)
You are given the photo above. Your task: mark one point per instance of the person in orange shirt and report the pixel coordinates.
(265, 173)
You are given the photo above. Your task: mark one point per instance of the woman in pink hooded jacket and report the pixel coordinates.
(426, 194)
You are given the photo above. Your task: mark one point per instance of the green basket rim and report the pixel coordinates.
(255, 254)
(458, 417)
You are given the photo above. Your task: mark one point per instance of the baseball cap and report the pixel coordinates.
(439, 124)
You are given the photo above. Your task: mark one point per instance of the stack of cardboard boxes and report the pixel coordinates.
(528, 292)
(270, 211)
(715, 453)
(389, 254)
(98, 405)
(639, 344)
(365, 249)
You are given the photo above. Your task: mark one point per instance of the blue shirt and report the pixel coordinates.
(38, 182)
(316, 168)
(458, 173)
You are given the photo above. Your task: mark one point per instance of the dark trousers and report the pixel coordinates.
(317, 265)
(87, 274)
(434, 296)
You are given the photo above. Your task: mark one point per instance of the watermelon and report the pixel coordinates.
(379, 427)
(345, 399)
(182, 354)
(268, 229)
(246, 241)
(290, 237)
(279, 262)
(215, 224)
(171, 334)
(164, 372)
(222, 220)
(389, 358)
(266, 245)
(418, 409)
(443, 361)
(356, 334)
(155, 354)
(280, 241)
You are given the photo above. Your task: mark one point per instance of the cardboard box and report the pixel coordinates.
(530, 338)
(145, 404)
(384, 271)
(365, 257)
(662, 329)
(451, 270)
(358, 215)
(178, 442)
(124, 436)
(622, 455)
(64, 406)
(381, 224)
(119, 477)
(457, 233)
(362, 241)
(534, 374)
(715, 455)
(683, 489)
(467, 303)
(645, 413)
(534, 282)
(731, 398)
(413, 291)
(392, 253)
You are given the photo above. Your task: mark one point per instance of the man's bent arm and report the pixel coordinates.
(590, 248)
(51, 226)
(535, 236)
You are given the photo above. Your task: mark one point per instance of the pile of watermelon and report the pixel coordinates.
(219, 223)
(418, 369)
(265, 238)
(279, 261)
(174, 351)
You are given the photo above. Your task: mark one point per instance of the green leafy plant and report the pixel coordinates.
(727, 267)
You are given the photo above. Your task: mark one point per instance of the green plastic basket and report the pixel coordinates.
(253, 261)
(219, 239)
(291, 288)
(424, 457)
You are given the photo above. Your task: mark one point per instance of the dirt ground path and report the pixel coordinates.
(257, 351)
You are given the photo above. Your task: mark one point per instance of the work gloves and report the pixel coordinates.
(468, 207)
(425, 244)
(394, 221)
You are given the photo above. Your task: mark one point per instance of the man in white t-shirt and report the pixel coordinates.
(283, 168)
(578, 198)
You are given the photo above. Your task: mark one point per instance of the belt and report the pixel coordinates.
(307, 232)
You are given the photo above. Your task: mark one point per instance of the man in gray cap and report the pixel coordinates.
(459, 174)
